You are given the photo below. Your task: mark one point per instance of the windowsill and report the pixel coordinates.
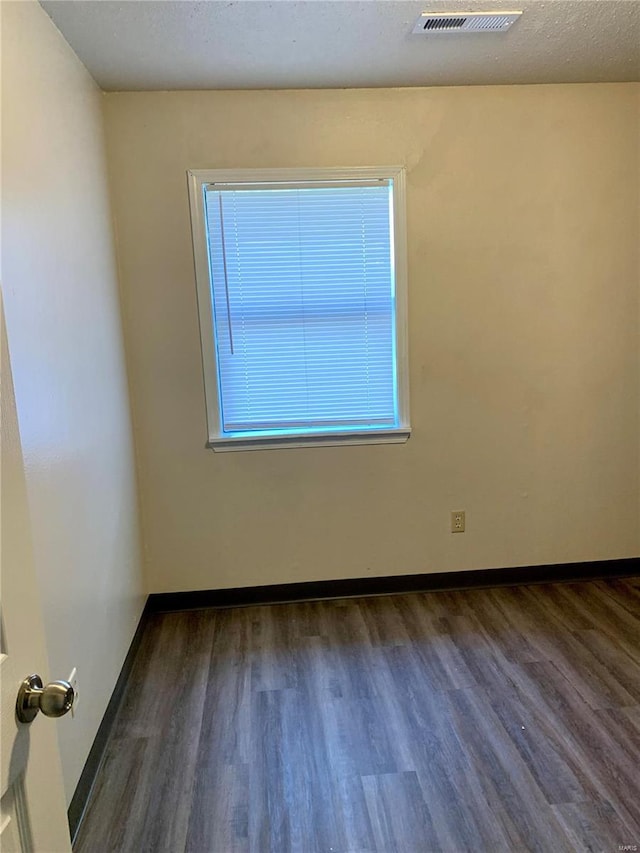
(277, 442)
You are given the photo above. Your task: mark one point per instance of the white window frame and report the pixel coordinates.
(198, 179)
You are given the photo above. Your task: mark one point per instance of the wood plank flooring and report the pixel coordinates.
(502, 719)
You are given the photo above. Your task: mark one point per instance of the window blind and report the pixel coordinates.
(303, 305)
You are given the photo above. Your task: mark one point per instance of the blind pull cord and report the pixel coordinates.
(226, 278)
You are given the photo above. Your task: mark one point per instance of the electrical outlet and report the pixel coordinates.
(73, 681)
(457, 521)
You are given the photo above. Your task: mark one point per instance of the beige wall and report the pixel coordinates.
(637, 223)
(523, 270)
(64, 333)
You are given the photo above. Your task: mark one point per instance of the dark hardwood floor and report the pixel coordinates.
(488, 720)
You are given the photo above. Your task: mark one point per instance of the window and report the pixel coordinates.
(302, 301)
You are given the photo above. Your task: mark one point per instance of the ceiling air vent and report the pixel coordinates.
(430, 23)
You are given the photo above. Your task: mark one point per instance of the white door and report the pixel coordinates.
(33, 814)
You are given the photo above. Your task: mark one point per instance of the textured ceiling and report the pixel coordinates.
(258, 44)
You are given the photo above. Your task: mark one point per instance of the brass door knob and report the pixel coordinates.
(54, 700)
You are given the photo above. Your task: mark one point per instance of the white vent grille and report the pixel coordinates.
(435, 23)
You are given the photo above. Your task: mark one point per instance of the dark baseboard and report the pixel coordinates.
(308, 591)
(81, 795)
(361, 587)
